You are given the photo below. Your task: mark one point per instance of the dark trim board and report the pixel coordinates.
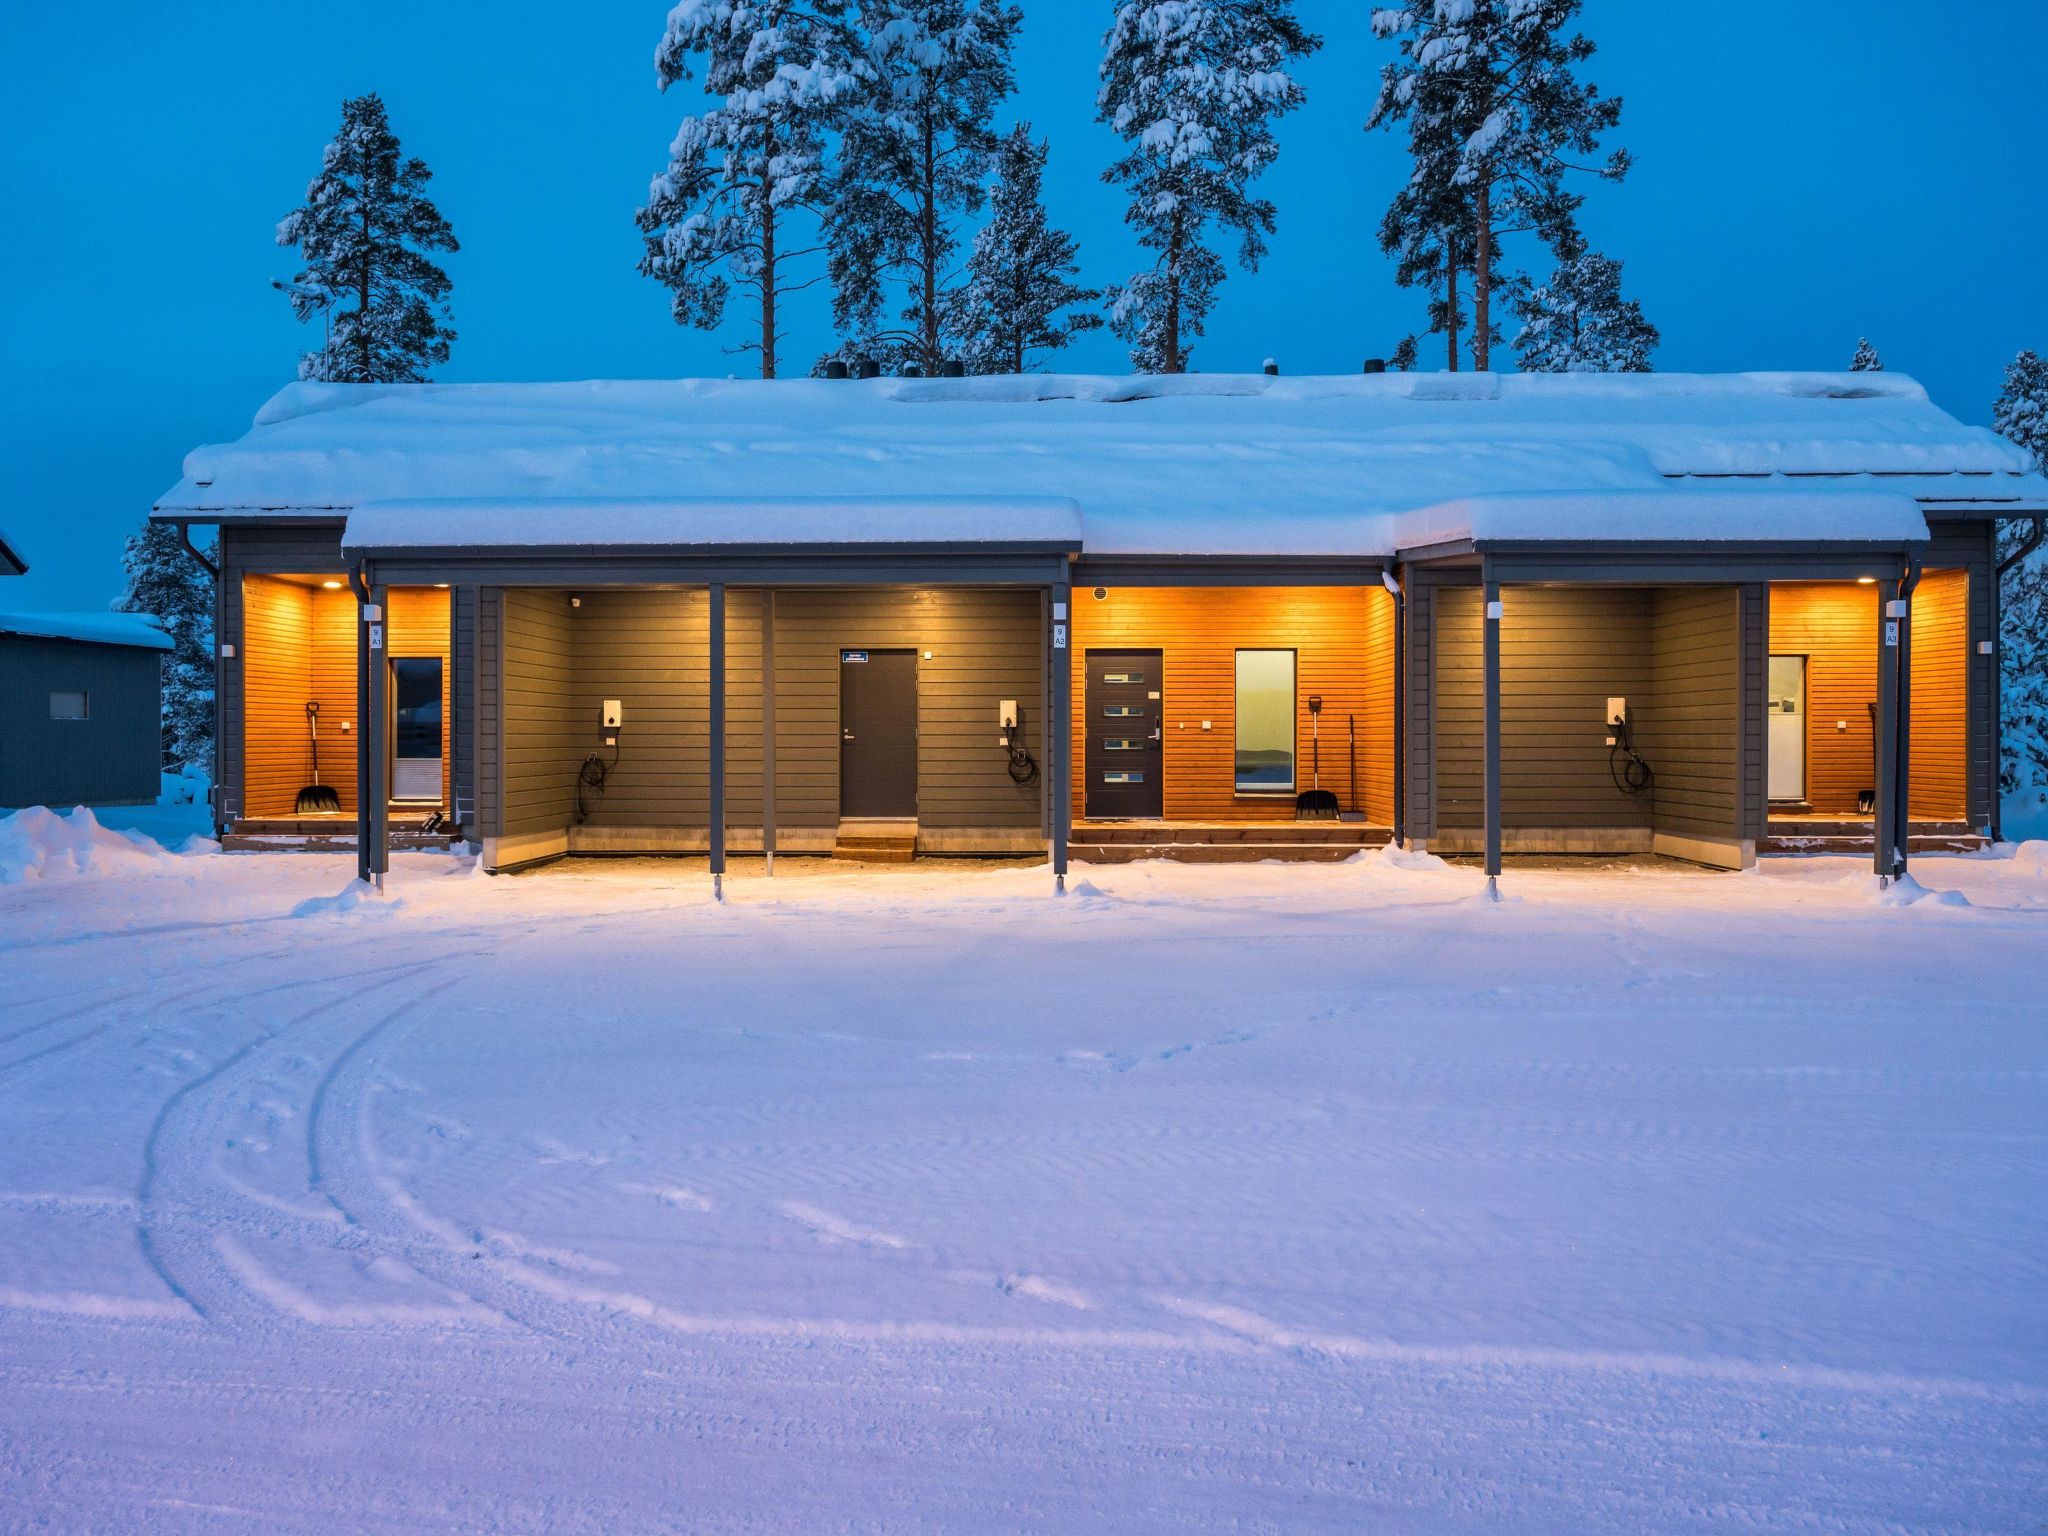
(954, 570)
(1587, 565)
(1226, 571)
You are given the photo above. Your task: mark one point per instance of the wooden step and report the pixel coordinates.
(1823, 834)
(876, 841)
(1347, 834)
(1219, 853)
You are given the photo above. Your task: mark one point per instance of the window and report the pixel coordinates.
(1265, 722)
(67, 706)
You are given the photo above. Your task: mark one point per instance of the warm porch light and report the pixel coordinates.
(1866, 581)
(332, 586)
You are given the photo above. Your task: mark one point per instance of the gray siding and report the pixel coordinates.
(1970, 546)
(1676, 654)
(1423, 588)
(111, 757)
(1756, 649)
(490, 714)
(462, 643)
(647, 649)
(1691, 721)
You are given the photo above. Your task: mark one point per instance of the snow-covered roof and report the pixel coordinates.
(1198, 464)
(12, 561)
(91, 627)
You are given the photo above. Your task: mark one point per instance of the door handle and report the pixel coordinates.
(845, 735)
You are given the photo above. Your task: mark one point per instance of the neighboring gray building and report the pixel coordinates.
(81, 701)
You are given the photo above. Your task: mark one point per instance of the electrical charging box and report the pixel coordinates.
(1006, 720)
(614, 714)
(1617, 710)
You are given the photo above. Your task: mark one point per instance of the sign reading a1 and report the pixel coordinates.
(376, 637)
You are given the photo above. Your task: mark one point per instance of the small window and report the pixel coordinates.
(1122, 744)
(1122, 711)
(1122, 776)
(1123, 677)
(1265, 722)
(68, 706)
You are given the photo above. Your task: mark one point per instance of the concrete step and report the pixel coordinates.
(1218, 853)
(1348, 834)
(1866, 842)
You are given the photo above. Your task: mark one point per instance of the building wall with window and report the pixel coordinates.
(80, 724)
(1342, 640)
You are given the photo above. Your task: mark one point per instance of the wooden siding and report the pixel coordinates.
(1564, 650)
(462, 727)
(112, 756)
(418, 626)
(1938, 779)
(1691, 722)
(647, 648)
(1967, 546)
(1343, 639)
(1756, 646)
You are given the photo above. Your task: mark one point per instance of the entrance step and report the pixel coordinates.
(1842, 834)
(325, 834)
(876, 842)
(1307, 842)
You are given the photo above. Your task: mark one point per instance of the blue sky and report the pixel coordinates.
(1805, 173)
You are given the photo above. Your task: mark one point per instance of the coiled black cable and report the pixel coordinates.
(1023, 768)
(591, 776)
(1631, 775)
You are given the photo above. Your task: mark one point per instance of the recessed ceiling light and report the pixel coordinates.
(332, 586)
(1866, 581)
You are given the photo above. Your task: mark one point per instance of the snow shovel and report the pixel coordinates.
(316, 796)
(1316, 803)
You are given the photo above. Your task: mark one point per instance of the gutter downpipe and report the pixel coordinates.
(214, 791)
(2029, 542)
(358, 578)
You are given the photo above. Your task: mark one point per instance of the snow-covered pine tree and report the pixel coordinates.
(746, 177)
(1578, 322)
(1193, 88)
(1866, 359)
(1020, 296)
(164, 580)
(2021, 415)
(364, 234)
(913, 160)
(1498, 118)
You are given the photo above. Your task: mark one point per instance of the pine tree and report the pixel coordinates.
(1578, 322)
(746, 178)
(1193, 88)
(363, 234)
(1866, 359)
(1019, 296)
(2021, 415)
(1497, 117)
(167, 583)
(913, 162)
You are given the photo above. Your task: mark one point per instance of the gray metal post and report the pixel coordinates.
(1398, 592)
(1902, 771)
(768, 731)
(364, 830)
(377, 788)
(1059, 727)
(1887, 808)
(1491, 624)
(716, 664)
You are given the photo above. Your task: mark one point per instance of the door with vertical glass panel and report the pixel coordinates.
(1785, 736)
(1124, 749)
(416, 729)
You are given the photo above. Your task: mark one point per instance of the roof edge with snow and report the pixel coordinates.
(139, 630)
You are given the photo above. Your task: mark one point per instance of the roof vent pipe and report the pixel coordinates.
(835, 368)
(1272, 367)
(868, 368)
(912, 371)
(1375, 365)
(955, 368)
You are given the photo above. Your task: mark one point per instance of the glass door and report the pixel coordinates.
(1786, 733)
(416, 729)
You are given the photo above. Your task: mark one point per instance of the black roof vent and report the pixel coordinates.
(1375, 365)
(912, 371)
(835, 368)
(868, 368)
(955, 369)
(1272, 368)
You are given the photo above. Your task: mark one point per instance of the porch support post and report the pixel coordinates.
(1902, 772)
(1491, 593)
(1059, 728)
(716, 664)
(1885, 851)
(1397, 589)
(364, 863)
(374, 791)
(768, 731)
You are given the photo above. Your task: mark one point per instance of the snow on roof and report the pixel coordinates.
(93, 628)
(1192, 464)
(12, 561)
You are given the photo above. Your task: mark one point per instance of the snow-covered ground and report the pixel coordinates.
(1245, 1198)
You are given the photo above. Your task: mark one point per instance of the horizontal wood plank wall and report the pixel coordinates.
(1691, 720)
(1833, 625)
(276, 655)
(1937, 785)
(1967, 546)
(648, 650)
(1343, 638)
(1756, 646)
(462, 736)
(539, 742)
(1564, 650)
(490, 715)
(334, 685)
(419, 627)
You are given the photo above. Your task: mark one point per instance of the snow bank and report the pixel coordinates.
(1904, 891)
(37, 844)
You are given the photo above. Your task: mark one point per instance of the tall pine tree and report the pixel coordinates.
(1193, 88)
(166, 582)
(1497, 121)
(913, 160)
(1020, 296)
(1866, 359)
(2021, 414)
(1578, 322)
(364, 235)
(746, 178)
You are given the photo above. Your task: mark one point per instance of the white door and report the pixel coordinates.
(1786, 737)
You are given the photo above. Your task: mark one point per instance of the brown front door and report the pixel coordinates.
(1123, 751)
(877, 733)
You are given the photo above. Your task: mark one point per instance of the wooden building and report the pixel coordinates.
(1113, 618)
(81, 709)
